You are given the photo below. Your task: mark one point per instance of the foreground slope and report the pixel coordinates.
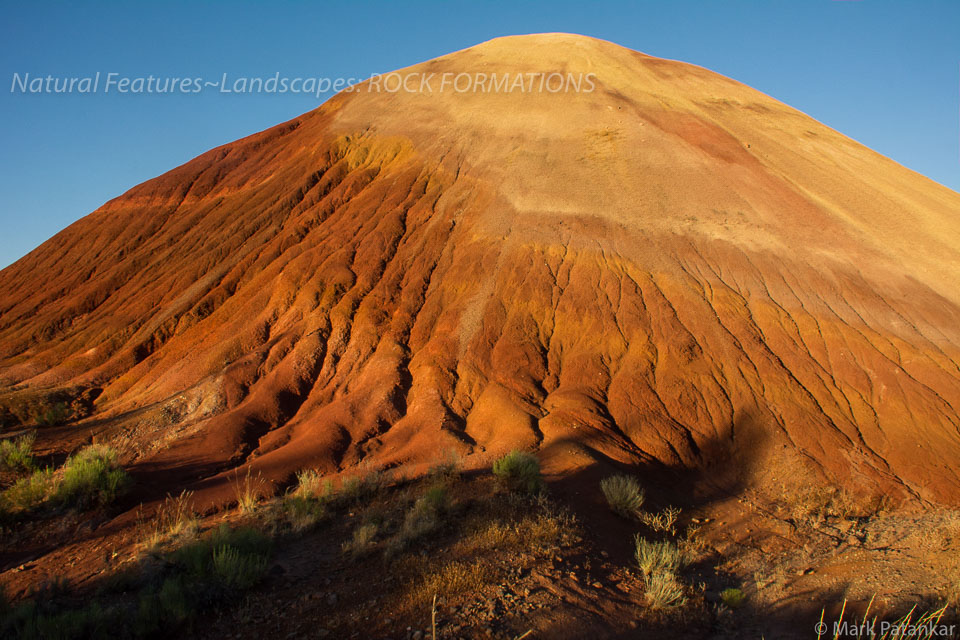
(671, 270)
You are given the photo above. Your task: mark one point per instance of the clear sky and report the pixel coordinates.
(885, 73)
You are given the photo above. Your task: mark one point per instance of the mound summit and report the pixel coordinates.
(672, 271)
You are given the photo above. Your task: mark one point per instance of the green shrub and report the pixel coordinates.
(91, 476)
(623, 494)
(519, 471)
(233, 558)
(28, 620)
(664, 591)
(658, 557)
(161, 608)
(237, 570)
(732, 597)
(16, 453)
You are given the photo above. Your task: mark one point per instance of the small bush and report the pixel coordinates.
(91, 476)
(664, 591)
(420, 520)
(425, 516)
(362, 542)
(663, 522)
(302, 512)
(732, 597)
(30, 492)
(162, 608)
(437, 499)
(16, 453)
(623, 494)
(658, 557)
(519, 471)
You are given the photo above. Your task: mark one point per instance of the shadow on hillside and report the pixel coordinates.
(726, 468)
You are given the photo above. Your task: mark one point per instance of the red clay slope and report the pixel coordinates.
(670, 266)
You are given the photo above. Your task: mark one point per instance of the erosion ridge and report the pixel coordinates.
(672, 270)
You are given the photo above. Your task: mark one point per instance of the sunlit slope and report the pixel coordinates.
(669, 269)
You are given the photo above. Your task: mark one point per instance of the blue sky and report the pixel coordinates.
(885, 73)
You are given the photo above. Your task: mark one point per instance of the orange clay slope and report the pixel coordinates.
(670, 270)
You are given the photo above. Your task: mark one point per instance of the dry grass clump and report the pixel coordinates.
(175, 520)
(452, 579)
(811, 506)
(311, 484)
(448, 471)
(305, 505)
(657, 556)
(623, 494)
(664, 591)
(537, 527)
(248, 495)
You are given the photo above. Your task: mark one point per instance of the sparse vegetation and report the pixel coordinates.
(16, 454)
(519, 471)
(46, 408)
(657, 556)
(623, 494)
(358, 488)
